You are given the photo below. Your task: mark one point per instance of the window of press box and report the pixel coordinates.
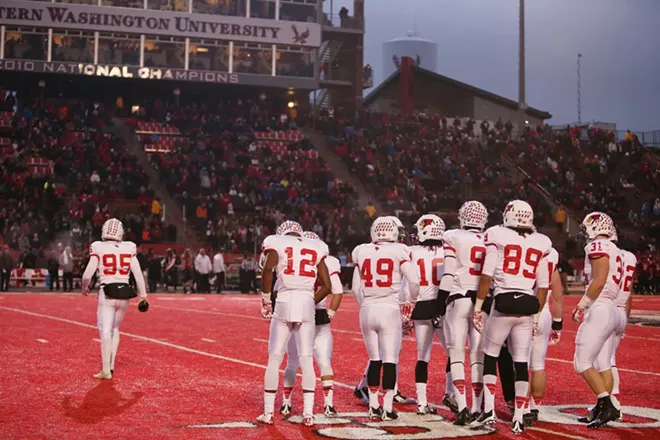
(295, 61)
(73, 46)
(253, 58)
(165, 52)
(235, 8)
(138, 4)
(119, 49)
(168, 5)
(23, 43)
(208, 55)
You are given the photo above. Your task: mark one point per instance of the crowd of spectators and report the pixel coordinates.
(235, 187)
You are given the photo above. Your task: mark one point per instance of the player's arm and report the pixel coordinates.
(600, 268)
(337, 290)
(629, 306)
(410, 272)
(488, 269)
(449, 266)
(139, 278)
(405, 291)
(356, 285)
(90, 270)
(543, 277)
(324, 282)
(557, 297)
(267, 276)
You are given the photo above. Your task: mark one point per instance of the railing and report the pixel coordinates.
(337, 74)
(649, 139)
(343, 22)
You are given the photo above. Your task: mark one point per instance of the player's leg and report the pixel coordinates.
(455, 327)
(520, 348)
(537, 362)
(280, 332)
(424, 340)
(289, 378)
(370, 327)
(389, 340)
(592, 336)
(121, 307)
(615, 375)
(476, 356)
(496, 332)
(449, 383)
(105, 315)
(361, 391)
(323, 355)
(304, 334)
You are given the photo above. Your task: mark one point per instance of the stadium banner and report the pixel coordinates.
(151, 22)
(157, 73)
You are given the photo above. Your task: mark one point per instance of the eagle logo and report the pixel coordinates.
(300, 37)
(425, 222)
(594, 218)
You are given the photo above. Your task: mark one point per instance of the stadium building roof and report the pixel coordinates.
(426, 77)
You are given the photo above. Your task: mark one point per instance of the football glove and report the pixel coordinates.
(266, 306)
(577, 314)
(437, 321)
(143, 306)
(555, 335)
(478, 321)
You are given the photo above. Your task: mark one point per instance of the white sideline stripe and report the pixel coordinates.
(43, 341)
(560, 434)
(96, 340)
(207, 340)
(159, 342)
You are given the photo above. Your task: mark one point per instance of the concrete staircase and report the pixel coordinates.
(340, 169)
(173, 210)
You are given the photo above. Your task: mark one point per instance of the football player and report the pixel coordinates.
(623, 304)
(361, 392)
(322, 341)
(115, 260)
(379, 268)
(604, 272)
(464, 258)
(428, 256)
(298, 262)
(548, 332)
(515, 262)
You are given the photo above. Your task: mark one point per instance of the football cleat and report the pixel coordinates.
(511, 406)
(390, 415)
(535, 415)
(266, 418)
(485, 419)
(463, 418)
(593, 412)
(426, 409)
(362, 394)
(400, 398)
(528, 419)
(285, 409)
(450, 403)
(103, 375)
(517, 427)
(375, 413)
(608, 413)
(308, 420)
(330, 411)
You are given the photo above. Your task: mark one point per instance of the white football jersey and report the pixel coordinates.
(114, 260)
(379, 266)
(334, 270)
(298, 260)
(469, 250)
(629, 265)
(603, 248)
(429, 262)
(514, 260)
(551, 262)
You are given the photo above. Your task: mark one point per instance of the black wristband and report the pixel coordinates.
(557, 325)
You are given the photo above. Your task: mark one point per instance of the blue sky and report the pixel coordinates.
(478, 44)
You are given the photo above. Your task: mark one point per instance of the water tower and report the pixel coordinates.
(423, 52)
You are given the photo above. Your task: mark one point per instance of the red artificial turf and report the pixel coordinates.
(199, 360)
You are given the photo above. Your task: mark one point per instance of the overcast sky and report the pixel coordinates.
(478, 44)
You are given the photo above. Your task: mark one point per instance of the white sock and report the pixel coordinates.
(387, 400)
(373, 399)
(489, 392)
(521, 397)
(603, 394)
(477, 397)
(269, 403)
(449, 384)
(115, 346)
(286, 395)
(327, 391)
(617, 380)
(308, 404)
(615, 402)
(421, 394)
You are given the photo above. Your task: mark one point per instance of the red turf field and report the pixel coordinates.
(199, 360)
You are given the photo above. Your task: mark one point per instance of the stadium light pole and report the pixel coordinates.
(579, 91)
(522, 106)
